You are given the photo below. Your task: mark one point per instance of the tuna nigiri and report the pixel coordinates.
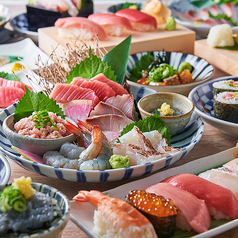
(115, 217)
(113, 25)
(79, 27)
(140, 21)
(220, 201)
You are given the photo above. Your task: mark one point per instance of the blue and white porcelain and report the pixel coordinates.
(5, 170)
(202, 70)
(185, 140)
(202, 97)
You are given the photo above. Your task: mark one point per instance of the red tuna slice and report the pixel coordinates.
(125, 103)
(81, 23)
(102, 90)
(9, 95)
(118, 88)
(103, 108)
(194, 210)
(12, 83)
(109, 122)
(138, 18)
(63, 93)
(222, 199)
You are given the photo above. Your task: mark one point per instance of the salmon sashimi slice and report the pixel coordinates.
(118, 88)
(63, 93)
(192, 210)
(12, 83)
(102, 90)
(9, 95)
(216, 196)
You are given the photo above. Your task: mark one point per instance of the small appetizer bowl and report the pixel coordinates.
(201, 72)
(58, 224)
(177, 102)
(33, 145)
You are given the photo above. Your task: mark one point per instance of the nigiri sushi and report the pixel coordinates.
(221, 202)
(140, 21)
(115, 217)
(113, 25)
(79, 27)
(192, 212)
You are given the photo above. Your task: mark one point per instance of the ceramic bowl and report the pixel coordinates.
(151, 102)
(57, 226)
(5, 15)
(5, 170)
(33, 145)
(202, 70)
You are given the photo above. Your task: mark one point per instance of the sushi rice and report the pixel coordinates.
(225, 85)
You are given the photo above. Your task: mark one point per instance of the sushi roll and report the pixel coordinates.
(113, 25)
(225, 85)
(225, 106)
(140, 21)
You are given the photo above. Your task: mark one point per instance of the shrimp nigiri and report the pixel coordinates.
(115, 217)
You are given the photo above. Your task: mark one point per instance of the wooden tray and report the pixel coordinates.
(182, 40)
(226, 60)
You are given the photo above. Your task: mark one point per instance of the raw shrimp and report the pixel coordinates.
(71, 151)
(115, 217)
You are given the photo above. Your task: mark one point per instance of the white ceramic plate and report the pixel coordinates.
(186, 140)
(202, 97)
(82, 213)
(5, 170)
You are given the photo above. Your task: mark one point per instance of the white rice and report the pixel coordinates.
(223, 85)
(219, 98)
(113, 30)
(142, 27)
(75, 33)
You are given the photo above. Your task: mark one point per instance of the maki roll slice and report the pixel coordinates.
(160, 212)
(225, 106)
(225, 85)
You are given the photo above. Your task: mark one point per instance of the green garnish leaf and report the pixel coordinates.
(221, 16)
(34, 102)
(90, 67)
(148, 124)
(130, 5)
(8, 76)
(234, 47)
(201, 4)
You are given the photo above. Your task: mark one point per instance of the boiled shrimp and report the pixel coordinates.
(115, 217)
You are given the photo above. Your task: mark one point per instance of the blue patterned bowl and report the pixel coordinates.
(185, 139)
(202, 97)
(202, 70)
(5, 170)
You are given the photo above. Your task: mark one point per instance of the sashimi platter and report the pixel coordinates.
(91, 102)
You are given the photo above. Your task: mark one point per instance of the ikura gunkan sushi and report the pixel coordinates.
(225, 85)
(225, 106)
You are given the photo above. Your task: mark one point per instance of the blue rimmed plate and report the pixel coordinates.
(5, 170)
(202, 97)
(202, 70)
(185, 140)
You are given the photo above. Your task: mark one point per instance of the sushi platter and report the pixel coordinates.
(82, 213)
(146, 41)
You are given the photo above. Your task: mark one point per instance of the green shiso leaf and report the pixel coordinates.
(9, 76)
(142, 64)
(151, 123)
(201, 4)
(90, 67)
(31, 102)
(117, 58)
(130, 4)
(222, 16)
(234, 47)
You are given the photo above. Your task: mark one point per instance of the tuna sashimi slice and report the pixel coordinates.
(63, 93)
(102, 90)
(125, 103)
(103, 108)
(12, 83)
(191, 208)
(118, 88)
(109, 122)
(222, 199)
(9, 95)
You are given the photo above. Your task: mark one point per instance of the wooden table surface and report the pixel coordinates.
(213, 141)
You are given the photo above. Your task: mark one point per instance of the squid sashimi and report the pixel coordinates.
(125, 103)
(63, 93)
(118, 88)
(102, 90)
(192, 212)
(9, 95)
(12, 83)
(222, 177)
(113, 25)
(232, 165)
(79, 27)
(103, 108)
(115, 217)
(220, 201)
(140, 21)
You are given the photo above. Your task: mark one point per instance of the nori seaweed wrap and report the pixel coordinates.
(160, 212)
(224, 86)
(225, 106)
